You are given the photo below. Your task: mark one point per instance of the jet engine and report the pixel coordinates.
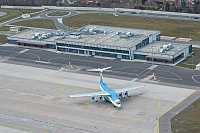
(127, 94)
(95, 99)
(102, 99)
(122, 96)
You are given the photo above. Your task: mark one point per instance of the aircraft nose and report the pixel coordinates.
(119, 106)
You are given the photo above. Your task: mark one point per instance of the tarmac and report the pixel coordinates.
(36, 100)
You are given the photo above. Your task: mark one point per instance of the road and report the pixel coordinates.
(58, 24)
(2, 13)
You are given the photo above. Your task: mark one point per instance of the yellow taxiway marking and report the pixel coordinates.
(26, 103)
(47, 89)
(158, 126)
(63, 86)
(114, 115)
(144, 116)
(12, 82)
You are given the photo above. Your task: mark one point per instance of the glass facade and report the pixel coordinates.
(93, 48)
(190, 49)
(12, 41)
(158, 37)
(142, 44)
(51, 46)
(178, 58)
(138, 56)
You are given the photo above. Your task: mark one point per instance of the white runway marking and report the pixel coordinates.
(152, 67)
(179, 78)
(23, 51)
(101, 57)
(61, 69)
(18, 53)
(34, 55)
(38, 61)
(171, 73)
(195, 79)
(104, 64)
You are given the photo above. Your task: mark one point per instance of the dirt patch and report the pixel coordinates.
(188, 120)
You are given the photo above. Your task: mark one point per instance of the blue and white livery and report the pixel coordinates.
(107, 94)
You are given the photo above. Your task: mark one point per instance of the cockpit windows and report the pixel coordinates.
(118, 102)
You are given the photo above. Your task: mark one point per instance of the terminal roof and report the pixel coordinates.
(156, 46)
(113, 36)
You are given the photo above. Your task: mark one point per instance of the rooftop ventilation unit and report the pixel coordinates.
(170, 46)
(165, 47)
(100, 31)
(49, 34)
(34, 37)
(92, 31)
(44, 36)
(162, 50)
(76, 35)
(40, 37)
(38, 34)
(125, 35)
(129, 34)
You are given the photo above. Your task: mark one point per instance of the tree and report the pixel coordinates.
(167, 6)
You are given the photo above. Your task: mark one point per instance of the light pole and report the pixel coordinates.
(192, 61)
(153, 78)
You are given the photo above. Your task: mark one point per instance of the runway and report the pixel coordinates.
(128, 70)
(36, 100)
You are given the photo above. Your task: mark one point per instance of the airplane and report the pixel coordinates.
(107, 94)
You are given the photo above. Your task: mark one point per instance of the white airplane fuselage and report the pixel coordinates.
(113, 95)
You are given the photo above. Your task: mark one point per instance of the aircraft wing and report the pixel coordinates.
(127, 89)
(100, 93)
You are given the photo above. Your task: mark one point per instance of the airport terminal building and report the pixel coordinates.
(107, 41)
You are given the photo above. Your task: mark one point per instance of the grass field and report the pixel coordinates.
(4, 28)
(188, 120)
(168, 27)
(13, 13)
(192, 60)
(10, 14)
(3, 39)
(7, 28)
(40, 23)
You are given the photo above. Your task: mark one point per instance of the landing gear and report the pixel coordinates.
(102, 99)
(95, 99)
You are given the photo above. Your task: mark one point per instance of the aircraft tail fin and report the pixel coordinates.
(100, 70)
